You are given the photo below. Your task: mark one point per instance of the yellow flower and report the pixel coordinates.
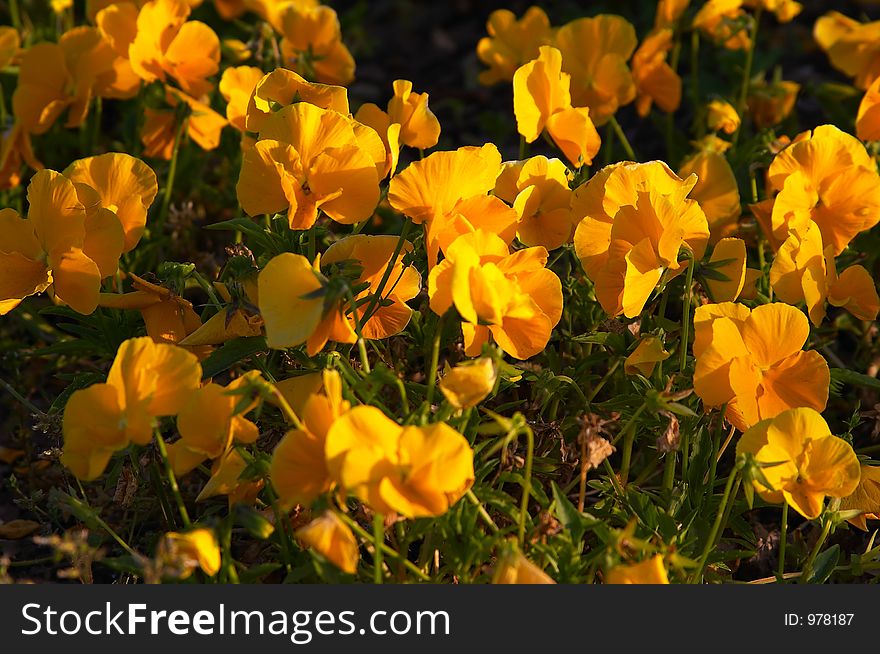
(868, 120)
(655, 79)
(190, 550)
(784, 10)
(310, 159)
(167, 44)
(226, 480)
(538, 190)
(649, 571)
(770, 104)
(828, 178)
(511, 42)
(469, 383)
(15, 147)
(729, 259)
(62, 244)
(312, 44)
(866, 497)
(852, 47)
(634, 219)
(203, 125)
(752, 361)
(668, 12)
(594, 52)
(407, 121)
(236, 86)
(513, 297)
(803, 272)
(412, 471)
(283, 87)
(716, 191)
(722, 116)
(805, 462)
(514, 568)
(59, 6)
(271, 10)
(541, 101)
(648, 353)
(146, 381)
(446, 192)
(724, 21)
(330, 537)
(299, 471)
(239, 318)
(210, 421)
(10, 42)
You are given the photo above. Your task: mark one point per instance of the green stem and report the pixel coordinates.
(14, 15)
(686, 313)
(481, 510)
(669, 473)
(383, 282)
(358, 329)
(623, 140)
(603, 381)
(172, 481)
(629, 436)
(435, 361)
(228, 561)
(18, 396)
(378, 541)
(747, 75)
(699, 122)
(826, 529)
(107, 527)
(313, 246)
(527, 484)
(716, 528)
(386, 549)
(783, 537)
(522, 147)
(172, 171)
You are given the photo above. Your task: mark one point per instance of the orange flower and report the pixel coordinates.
(770, 104)
(784, 10)
(446, 192)
(727, 264)
(513, 297)
(310, 159)
(330, 537)
(852, 47)
(716, 191)
(167, 44)
(648, 353)
(146, 381)
(236, 86)
(865, 498)
(541, 100)
(62, 244)
(511, 42)
(668, 12)
(15, 148)
(594, 52)
(538, 190)
(203, 126)
(868, 120)
(723, 21)
(312, 44)
(514, 568)
(722, 116)
(649, 571)
(10, 42)
(655, 79)
(238, 318)
(752, 361)
(633, 220)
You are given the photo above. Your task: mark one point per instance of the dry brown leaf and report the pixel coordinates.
(16, 529)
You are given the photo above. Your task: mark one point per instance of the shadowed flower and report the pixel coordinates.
(594, 52)
(203, 125)
(865, 498)
(190, 550)
(146, 381)
(668, 12)
(648, 353)
(722, 117)
(752, 361)
(312, 43)
(724, 276)
(412, 471)
(770, 104)
(468, 383)
(513, 568)
(634, 220)
(852, 47)
(725, 22)
(804, 462)
(868, 120)
(784, 10)
(330, 537)
(716, 191)
(538, 190)
(655, 79)
(511, 42)
(236, 86)
(649, 571)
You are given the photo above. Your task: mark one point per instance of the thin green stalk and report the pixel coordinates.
(629, 436)
(21, 398)
(172, 481)
(747, 75)
(107, 527)
(699, 123)
(603, 381)
(435, 361)
(783, 537)
(358, 329)
(716, 528)
(669, 473)
(96, 124)
(313, 246)
(378, 541)
(614, 480)
(377, 295)
(716, 448)
(14, 15)
(826, 529)
(228, 561)
(623, 140)
(522, 147)
(386, 549)
(686, 314)
(481, 510)
(172, 171)
(527, 484)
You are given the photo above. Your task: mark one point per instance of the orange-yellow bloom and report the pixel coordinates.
(648, 353)
(725, 275)
(538, 190)
(655, 79)
(513, 297)
(203, 126)
(852, 47)
(784, 10)
(716, 191)
(752, 361)
(190, 550)
(668, 12)
(649, 571)
(167, 44)
(868, 119)
(722, 116)
(511, 42)
(330, 537)
(541, 101)
(634, 220)
(724, 21)
(412, 471)
(146, 381)
(514, 568)
(865, 498)
(804, 462)
(312, 44)
(236, 86)
(310, 159)
(468, 383)
(594, 52)
(10, 42)
(299, 469)
(770, 104)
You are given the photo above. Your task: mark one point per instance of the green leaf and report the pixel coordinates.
(231, 353)
(854, 378)
(567, 514)
(824, 565)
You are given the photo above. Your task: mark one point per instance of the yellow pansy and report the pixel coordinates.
(852, 47)
(312, 44)
(723, 21)
(770, 104)
(648, 353)
(511, 42)
(721, 116)
(468, 383)
(655, 79)
(716, 191)
(865, 498)
(236, 86)
(330, 537)
(190, 550)
(649, 571)
(727, 264)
